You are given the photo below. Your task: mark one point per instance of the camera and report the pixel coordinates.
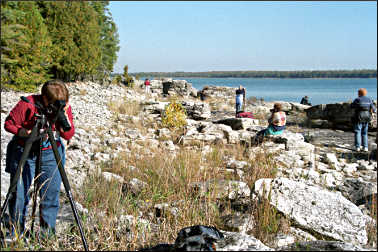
(57, 108)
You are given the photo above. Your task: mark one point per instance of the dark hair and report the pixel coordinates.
(55, 90)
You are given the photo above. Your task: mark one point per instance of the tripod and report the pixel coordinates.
(40, 125)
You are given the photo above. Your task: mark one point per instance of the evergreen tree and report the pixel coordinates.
(127, 78)
(12, 36)
(75, 35)
(58, 17)
(87, 38)
(109, 38)
(25, 46)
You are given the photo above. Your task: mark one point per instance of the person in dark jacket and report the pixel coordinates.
(363, 106)
(305, 101)
(239, 99)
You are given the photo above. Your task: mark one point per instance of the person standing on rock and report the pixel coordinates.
(239, 99)
(20, 122)
(363, 106)
(147, 85)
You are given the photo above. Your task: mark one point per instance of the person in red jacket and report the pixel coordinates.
(20, 122)
(147, 85)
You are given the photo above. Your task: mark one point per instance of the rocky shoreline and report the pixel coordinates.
(323, 186)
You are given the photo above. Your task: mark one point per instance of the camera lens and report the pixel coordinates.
(62, 119)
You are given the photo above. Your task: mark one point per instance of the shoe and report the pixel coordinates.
(358, 149)
(366, 149)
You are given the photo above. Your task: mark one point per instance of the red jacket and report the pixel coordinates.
(22, 116)
(147, 82)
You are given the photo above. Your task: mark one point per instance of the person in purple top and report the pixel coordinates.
(363, 106)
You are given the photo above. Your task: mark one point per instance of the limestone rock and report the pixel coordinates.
(233, 241)
(320, 246)
(311, 207)
(238, 123)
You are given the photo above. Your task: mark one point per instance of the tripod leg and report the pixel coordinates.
(36, 179)
(66, 184)
(25, 154)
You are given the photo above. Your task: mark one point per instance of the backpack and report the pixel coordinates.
(363, 116)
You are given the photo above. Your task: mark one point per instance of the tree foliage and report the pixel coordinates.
(25, 44)
(69, 40)
(128, 79)
(109, 39)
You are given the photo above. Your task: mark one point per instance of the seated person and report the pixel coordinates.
(305, 101)
(277, 124)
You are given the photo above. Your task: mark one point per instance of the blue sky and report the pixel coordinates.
(167, 36)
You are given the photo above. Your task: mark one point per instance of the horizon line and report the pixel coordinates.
(212, 71)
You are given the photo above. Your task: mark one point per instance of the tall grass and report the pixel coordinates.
(372, 227)
(168, 179)
(124, 107)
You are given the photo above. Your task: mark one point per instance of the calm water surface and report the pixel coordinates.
(320, 91)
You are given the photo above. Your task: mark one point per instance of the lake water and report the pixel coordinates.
(320, 91)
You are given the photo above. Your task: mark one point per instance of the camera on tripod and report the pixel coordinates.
(57, 108)
(45, 119)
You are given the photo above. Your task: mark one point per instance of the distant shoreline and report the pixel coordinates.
(323, 74)
(270, 78)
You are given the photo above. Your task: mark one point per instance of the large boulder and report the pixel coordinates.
(359, 191)
(338, 115)
(314, 208)
(320, 246)
(170, 86)
(238, 123)
(218, 92)
(197, 110)
(194, 110)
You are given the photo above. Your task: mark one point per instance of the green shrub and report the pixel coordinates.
(117, 79)
(174, 115)
(130, 82)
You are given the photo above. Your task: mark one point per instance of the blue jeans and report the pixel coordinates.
(238, 107)
(49, 193)
(360, 132)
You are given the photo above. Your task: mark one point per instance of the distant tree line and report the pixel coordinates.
(368, 73)
(69, 40)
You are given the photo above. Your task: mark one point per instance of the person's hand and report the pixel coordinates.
(23, 132)
(66, 112)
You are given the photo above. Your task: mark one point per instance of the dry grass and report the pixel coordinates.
(220, 104)
(168, 180)
(124, 107)
(372, 227)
